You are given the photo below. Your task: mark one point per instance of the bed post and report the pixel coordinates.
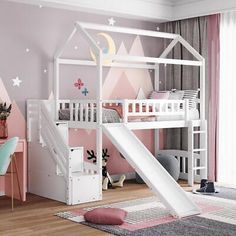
(56, 70)
(156, 131)
(56, 86)
(203, 139)
(99, 58)
(99, 121)
(202, 90)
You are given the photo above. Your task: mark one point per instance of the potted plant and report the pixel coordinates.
(4, 113)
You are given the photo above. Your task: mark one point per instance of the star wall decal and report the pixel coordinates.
(111, 21)
(16, 82)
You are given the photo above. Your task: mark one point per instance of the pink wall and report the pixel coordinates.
(115, 164)
(29, 38)
(16, 127)
(43, 31)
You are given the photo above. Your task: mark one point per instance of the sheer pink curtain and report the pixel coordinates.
(213, 92)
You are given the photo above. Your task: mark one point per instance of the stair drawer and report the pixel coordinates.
(76, 159)
(85, 188)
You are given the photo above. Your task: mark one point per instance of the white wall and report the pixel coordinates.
(151, 10)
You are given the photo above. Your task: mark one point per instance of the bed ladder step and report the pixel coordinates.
(199, 168)
(199, 150)
(199, 132)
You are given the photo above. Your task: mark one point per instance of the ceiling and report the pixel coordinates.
(151, 10)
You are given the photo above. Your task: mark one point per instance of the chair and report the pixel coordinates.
(7, 157)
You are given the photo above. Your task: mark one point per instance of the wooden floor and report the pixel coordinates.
(36, 216)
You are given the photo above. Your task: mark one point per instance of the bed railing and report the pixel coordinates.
(85, 111)
(182, 157)
(154, 107)
(53, 140)
(63, 104)
(79, 110)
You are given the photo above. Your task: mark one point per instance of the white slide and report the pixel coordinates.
(151, 171)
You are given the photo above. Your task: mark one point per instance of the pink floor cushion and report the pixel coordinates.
(106, 216)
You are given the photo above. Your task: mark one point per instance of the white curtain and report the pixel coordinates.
(227, 110)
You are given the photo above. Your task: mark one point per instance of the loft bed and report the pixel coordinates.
(48, 123)
(135, 113)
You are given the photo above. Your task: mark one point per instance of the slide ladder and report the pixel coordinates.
(151, 171)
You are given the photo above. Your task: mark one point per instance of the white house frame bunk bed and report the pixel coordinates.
(48, 129)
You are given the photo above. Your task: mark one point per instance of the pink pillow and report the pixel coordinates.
(159, 95)
(106, 216)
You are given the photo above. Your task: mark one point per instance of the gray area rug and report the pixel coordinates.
(148, 216)
(192, 226)
(227, 193)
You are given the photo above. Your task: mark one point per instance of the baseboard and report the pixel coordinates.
(2, 193)
(129, 175)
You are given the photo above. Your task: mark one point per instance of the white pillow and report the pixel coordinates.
(159, 95)
(176, 95)
(191, 95)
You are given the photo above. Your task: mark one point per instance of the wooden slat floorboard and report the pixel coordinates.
(36, 215)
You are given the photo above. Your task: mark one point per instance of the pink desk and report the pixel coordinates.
(21, 161)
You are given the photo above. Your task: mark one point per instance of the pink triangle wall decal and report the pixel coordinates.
(16, 122)
(4, 97)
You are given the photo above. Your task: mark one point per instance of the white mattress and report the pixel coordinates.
(193, 115)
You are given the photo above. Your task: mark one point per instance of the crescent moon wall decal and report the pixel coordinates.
(111, 49)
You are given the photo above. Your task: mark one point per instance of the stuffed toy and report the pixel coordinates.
(107, 180)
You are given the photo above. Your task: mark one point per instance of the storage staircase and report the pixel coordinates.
(62, 168)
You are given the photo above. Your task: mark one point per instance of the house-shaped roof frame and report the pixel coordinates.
(128, 61)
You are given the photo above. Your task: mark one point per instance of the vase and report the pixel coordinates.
(3, 129)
